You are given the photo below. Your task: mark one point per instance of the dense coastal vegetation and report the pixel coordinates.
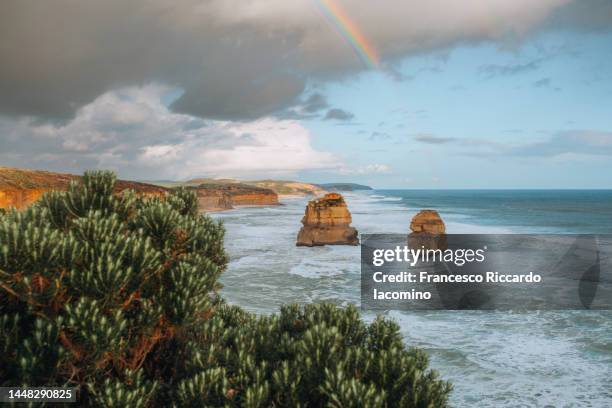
(117, 294)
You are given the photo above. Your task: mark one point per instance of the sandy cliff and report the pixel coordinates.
(19, 188)
(213, 200)
(218, 197)
(327, 222)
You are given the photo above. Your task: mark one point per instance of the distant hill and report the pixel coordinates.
(192, 182)
(345, 186)
(290, 188)
(280, 187)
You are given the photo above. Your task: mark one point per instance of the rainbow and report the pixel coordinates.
(349, 31)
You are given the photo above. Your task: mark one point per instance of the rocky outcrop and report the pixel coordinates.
(243, 194)
(19, 188)
(327, 221)
(428, 230)
(219, 197)
(213, 200)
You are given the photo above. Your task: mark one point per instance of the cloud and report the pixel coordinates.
(495, 70)
(314, 103)
(542, 83)
(312, 108)
(567, 143)
(379, 136)
(338, 114)
(234, 59)
(591, 15)
(368, 169)
(584, 142)
(432, 139)
(132, 131)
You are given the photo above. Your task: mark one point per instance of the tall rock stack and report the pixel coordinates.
(327, 221)
(428, 230)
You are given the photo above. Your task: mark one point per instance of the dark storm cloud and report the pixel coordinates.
(314, 103)
(235, 59)
(59, 55)
(591, 15)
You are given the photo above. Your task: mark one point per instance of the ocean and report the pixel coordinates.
(494, 359)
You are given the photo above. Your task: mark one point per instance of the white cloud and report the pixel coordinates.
(132, 131)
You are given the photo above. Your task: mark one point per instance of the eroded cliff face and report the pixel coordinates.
(428, 230)
(19, 199)
(20, 188)
(327, 222)
(219, 197)
(213, 200)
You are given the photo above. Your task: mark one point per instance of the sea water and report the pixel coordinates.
(493, 359)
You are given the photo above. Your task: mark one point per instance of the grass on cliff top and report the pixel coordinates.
(25, 179)
(278, 186)
(232, 188)
(288, 187)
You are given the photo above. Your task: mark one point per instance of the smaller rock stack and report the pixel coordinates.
(327, 221)
(428, 230)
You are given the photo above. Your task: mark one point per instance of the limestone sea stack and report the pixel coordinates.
(327, 221)
(428, 230)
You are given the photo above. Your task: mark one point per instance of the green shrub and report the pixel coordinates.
(116, 295)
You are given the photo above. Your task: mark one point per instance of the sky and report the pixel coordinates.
(393, 94)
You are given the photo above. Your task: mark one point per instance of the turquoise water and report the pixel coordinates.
(494, 359)
(524, 211)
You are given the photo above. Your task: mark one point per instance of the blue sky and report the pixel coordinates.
(512, 97)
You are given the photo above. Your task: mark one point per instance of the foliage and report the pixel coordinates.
(117, 295)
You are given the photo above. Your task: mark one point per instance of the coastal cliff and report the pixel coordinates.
(283, 188)
(327, 222)
(213, 200)
(219, 197)
(19, 188)
(428, 230)
(289, 189)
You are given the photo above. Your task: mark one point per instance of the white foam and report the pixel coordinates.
(493, 359)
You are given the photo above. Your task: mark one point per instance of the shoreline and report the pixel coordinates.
(237, 207)
(267, 270)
